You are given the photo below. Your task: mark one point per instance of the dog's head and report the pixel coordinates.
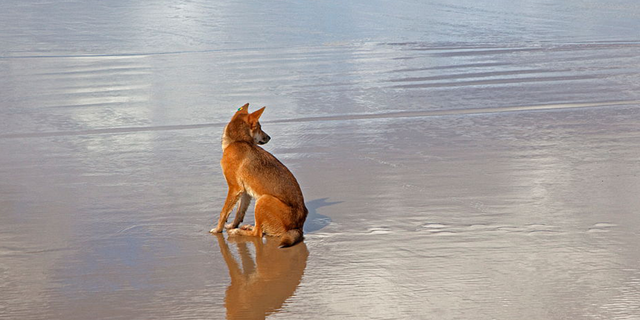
(244, 126)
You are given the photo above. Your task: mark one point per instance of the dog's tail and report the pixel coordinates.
(290, 238)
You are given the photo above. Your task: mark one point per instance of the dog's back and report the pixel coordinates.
(262, 174)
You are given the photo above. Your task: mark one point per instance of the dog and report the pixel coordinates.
(252, 172)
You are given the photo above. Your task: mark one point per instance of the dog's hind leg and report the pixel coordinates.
(267, 211)
(272, 219)
(279, 219)
(245, 200)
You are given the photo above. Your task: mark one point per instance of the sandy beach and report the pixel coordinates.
(459, 159)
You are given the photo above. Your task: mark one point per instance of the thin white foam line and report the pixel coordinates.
(548, 107)
(433, 113)
(126, 55)
(389, 115)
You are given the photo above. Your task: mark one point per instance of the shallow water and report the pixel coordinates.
(460, 160)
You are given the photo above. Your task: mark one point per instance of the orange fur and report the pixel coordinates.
(252, 171)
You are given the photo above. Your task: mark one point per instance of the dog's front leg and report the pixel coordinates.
(232, 198)
(245, 200)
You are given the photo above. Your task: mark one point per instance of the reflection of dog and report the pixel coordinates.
(251, 171)
(261, 288)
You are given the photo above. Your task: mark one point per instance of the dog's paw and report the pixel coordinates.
(229, 226)
(247, 227)
(215, 230)
(233, 231)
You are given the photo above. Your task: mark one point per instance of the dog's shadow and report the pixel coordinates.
(316, 221)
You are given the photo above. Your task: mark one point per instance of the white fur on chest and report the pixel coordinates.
(225, 139)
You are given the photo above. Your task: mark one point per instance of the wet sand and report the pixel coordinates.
(459, 161)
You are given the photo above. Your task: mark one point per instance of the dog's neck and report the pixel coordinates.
(231, 136)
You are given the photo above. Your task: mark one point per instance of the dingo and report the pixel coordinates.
(251, 171)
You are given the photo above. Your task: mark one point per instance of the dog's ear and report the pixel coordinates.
(256, 115)
(244, 109)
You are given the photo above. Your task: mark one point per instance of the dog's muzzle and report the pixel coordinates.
(264, 139)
